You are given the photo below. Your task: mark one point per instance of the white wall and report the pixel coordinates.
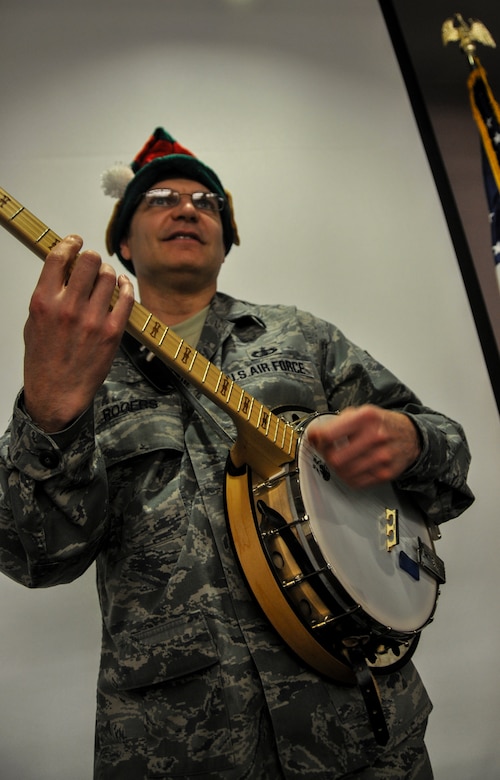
(299, 105)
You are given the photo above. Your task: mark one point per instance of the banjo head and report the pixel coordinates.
(370, 541)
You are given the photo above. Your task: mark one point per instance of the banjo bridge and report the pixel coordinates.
(391, 528)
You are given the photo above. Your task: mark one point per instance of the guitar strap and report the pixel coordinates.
(371, 695)
(164, 380)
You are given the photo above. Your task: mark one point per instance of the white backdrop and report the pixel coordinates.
(299, 105)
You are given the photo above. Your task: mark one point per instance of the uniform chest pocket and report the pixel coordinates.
(139, 423)
(144, 451)
(149, 519)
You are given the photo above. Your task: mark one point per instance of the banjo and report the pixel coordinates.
(348, 578)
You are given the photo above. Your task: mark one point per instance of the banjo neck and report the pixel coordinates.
(265, 441)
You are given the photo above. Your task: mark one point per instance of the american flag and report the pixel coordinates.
(486, 113)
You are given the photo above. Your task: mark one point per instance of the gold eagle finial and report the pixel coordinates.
(467, 34)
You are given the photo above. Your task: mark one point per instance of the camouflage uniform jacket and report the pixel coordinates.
(193, 681)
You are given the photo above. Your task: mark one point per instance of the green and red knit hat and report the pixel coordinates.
(162, 157)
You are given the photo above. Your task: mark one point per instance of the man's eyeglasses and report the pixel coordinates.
(165, 198)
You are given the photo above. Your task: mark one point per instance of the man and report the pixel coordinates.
(109, 459)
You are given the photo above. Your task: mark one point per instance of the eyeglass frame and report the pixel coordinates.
(216, 201)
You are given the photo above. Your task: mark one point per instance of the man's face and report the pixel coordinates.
(181, 244)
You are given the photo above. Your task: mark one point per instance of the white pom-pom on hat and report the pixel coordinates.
(114, 181)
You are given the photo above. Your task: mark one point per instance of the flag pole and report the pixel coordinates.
(467, 34)
(485, 112)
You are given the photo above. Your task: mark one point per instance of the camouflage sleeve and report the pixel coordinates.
(53, 501)
(438, 477)
(352, 377)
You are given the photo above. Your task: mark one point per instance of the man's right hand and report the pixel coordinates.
(71, 335)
